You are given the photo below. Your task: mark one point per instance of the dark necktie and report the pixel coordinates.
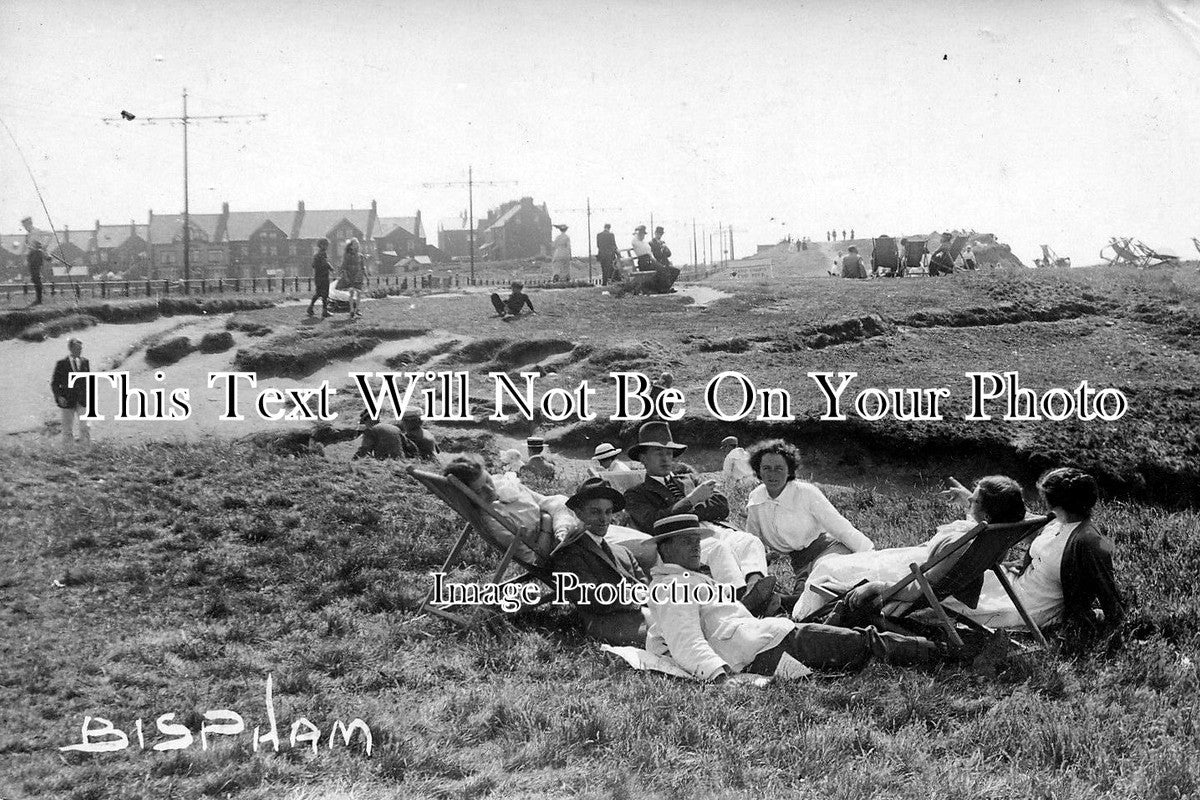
(675, 486)
(607, 550)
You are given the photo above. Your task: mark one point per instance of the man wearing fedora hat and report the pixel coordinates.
(591, 559)
(665, 493)
(539, 465)
(717, 639)
(606, 458)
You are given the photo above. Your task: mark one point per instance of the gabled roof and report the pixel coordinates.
(386, 225)
(243, 224)
(116, 235)
(319, 223)
(163, 228)
(505, 217)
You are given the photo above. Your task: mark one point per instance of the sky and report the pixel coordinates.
(1060, 123)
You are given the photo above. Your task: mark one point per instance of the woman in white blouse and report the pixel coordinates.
(794, 517)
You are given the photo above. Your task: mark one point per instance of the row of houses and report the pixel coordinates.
(252, 244)
(231, 244)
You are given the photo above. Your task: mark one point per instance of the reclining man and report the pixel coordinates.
(591, 559)
(714, 640)
(521, 506)
(664, 494)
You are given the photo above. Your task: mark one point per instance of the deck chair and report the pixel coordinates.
(957, 570)
(914, 256)
(885, 257)
(475, 512)
(1122, 253)
(1196, 242)
(1153, 258)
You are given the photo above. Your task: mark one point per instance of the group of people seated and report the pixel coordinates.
(679, 537)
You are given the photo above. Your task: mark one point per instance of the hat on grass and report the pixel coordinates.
(655, 434)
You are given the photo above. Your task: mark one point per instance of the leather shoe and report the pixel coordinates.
(757, 596)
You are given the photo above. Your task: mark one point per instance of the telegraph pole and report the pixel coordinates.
(185, 120)
(470, 182)
(694, 261)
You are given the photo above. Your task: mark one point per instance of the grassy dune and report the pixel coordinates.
(141, 581)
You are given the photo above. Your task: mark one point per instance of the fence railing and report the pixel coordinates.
(393, 284)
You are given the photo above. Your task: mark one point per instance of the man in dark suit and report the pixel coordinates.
(591, 560)
(35, 259)
(71, 400)
(606, 252)
(664, 494)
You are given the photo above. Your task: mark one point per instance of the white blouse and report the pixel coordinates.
(797, 517)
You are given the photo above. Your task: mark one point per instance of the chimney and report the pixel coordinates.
(66, 234)
(132, 228)
(298, 221)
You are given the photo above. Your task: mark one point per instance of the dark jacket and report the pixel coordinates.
(35, 259)
(650, 501)
(75, 396)
(661, 252)
(606, 243)
(1087, 578)
(321, 267)
(584, 558)
(384, 441)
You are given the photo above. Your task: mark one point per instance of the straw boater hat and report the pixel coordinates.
(535, 444)
(729, 440)
(604, 451)
(655, 434)
(592, 489)
(640, 229)
(676, 525)
(562, 228)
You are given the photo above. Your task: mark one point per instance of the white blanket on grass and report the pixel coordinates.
(643, 660)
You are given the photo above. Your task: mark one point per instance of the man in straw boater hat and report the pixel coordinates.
(664, 494)
(606, 458)
(539, 464)
(591, 558)
(713, 638)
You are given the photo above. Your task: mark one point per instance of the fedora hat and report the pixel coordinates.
(676, 525)
(655, 434)
(592, 489)
(640, 229)
(604, 451)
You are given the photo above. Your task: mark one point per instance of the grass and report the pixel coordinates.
(186, 573)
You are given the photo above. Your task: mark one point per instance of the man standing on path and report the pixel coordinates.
(321, 269)
(35, 258)
(606, 252)
(71, 399)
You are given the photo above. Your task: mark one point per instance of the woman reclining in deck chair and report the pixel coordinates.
(1068, 567)
(996, 499)
(524, 507)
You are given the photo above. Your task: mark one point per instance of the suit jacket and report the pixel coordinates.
(650, 501)
(606, 243)
(76, 395)
(704, 637)
(583, 557)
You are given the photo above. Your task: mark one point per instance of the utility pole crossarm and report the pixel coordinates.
(185, 119)
(470, 183)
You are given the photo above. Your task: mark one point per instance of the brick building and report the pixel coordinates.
(517, 229)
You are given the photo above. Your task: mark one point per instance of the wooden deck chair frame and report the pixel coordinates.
(981, 549)
(1152, 257)
(473, 509)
